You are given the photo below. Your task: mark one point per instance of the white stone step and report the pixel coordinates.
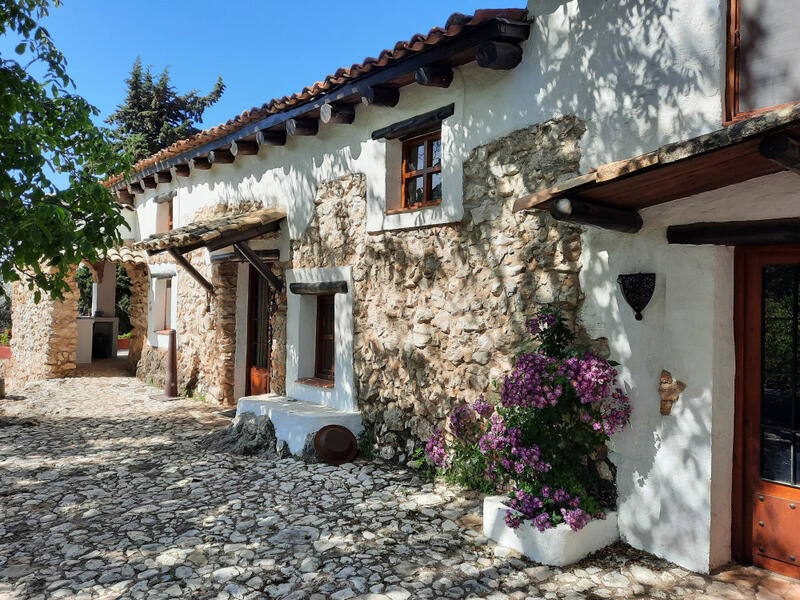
(295, 419)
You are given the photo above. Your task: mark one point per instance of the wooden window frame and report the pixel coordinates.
(169, 218)
(321, 371)
(426, 173)
(167, 305)
(733, 64)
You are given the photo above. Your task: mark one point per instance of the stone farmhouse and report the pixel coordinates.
(367, 250)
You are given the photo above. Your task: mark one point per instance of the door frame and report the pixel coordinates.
(747, 415)
(253, 281)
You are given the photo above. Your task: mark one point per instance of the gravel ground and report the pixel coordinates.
(105, 493)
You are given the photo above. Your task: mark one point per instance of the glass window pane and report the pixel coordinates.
(436, 152)
(778, 345)
(779, 291)
(776, 456)
(415, 191)
(436, 187)
(415, 157)
(776, 400)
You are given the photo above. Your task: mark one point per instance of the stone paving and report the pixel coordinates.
(105, 493)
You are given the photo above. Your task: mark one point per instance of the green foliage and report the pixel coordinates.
(46, 129)
(124, 336)
(122, 308)
(5, 337)
(366, 443)
(84, 280)
(423, 464)
(153, 116)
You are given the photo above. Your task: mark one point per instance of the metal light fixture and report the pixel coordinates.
(637, 289)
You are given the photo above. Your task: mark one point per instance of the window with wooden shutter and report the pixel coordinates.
(763, 56)
(422, 171)
(326, 336)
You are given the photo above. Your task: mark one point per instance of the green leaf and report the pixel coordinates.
(20, 49)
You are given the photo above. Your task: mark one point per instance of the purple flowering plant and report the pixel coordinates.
(543, 438)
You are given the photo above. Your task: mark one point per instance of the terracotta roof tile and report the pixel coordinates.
(455, 25)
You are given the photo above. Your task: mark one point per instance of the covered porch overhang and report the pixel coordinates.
(214, 234)
(612, 195)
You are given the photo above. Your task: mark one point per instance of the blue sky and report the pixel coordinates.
(262, 49)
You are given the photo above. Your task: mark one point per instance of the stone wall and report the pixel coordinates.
(140, 283)
(440, 311)
(45, 338)
(206, 327)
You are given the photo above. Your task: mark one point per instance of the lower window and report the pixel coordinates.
(326, 334)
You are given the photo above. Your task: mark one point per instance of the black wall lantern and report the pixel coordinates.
(637, 289)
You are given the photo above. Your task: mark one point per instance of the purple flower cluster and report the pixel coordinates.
(615, 412)
(483, 408)
(461, 421)
(542, 508)
(502, 446)
(435, 449)
(591, 377)
(532, 383)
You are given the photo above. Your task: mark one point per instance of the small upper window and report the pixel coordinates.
(422, 170)
(164, 219)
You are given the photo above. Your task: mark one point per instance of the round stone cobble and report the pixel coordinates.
(106, 493)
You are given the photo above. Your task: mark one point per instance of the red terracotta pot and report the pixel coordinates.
(5, 352)
(123, 343)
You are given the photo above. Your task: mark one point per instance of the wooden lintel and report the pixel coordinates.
(320, 288)
(302, 126)
(200, 162)
(597, 215)
(337, 113)
(434, 76)
(181, 260)
(241, 236)
(163, 176)
(737, 233)
(244, 148)
(782, 150)
(271, 138)
(221, 156)
(247, 253)
(418, 124)
(498, 55)
(183, 170)
(380, 96)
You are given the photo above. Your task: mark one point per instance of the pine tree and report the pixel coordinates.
(154, 115)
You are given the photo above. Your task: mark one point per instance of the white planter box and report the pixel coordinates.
(558, 547)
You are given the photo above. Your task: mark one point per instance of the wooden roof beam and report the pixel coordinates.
(221, 156)
(770, 232)
(270, 138)
(302, 126)
(434, 76)
(244, 250)
(200, 162)
(244, 148)
(183, 170)
(163, 176)
(498, 55)
(181, 260)
(135, 188)
(337, 113)
(597, 215)
(380, 96)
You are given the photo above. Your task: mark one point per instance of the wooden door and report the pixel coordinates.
(766, 499)
(259, 354)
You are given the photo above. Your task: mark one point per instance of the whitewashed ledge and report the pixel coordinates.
(295, 419)
(557, 547)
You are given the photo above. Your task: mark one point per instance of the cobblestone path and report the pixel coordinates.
(105, 493)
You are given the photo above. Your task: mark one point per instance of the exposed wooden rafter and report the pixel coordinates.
(337, 113)
(597, 215)
(271, 138)
(244, 148)
(434, 76)
(380, 96)
(498, 55)
(200, 162)
(221, 156)
(163, 176)
(181, 260)
(149, 183)
(247, 253)
(265, 255)
(182, 170)
(302, 126)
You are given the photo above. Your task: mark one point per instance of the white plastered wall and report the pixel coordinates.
(301, 340)
(674, 472)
